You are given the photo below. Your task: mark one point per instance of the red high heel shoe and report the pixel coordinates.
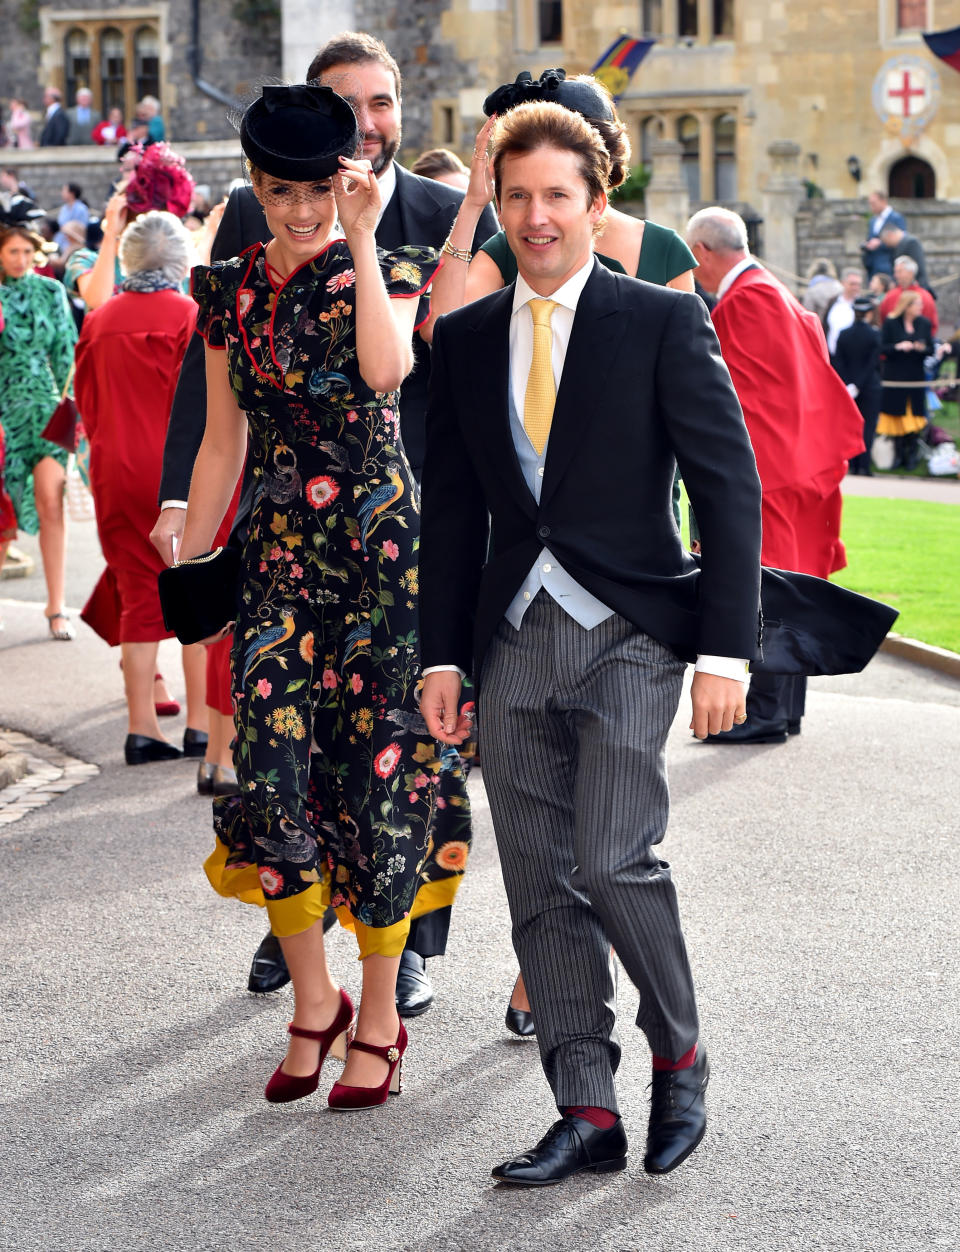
(165, 708)
(343, 1098)
(284, 1087)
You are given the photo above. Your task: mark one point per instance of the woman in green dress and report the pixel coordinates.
(629, 245)
(36, 355)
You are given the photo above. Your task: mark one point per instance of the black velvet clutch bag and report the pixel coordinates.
(199, 596)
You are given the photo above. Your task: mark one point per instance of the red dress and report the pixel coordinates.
(802, 422)
(128, 361)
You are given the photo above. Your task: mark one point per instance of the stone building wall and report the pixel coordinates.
(235, 56)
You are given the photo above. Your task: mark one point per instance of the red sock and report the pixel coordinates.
(662, 1063)
(603, 1119)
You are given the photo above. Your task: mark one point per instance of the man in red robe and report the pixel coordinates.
(802, 423)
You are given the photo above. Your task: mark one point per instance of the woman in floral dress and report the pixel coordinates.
(36, 354)
(343, 796)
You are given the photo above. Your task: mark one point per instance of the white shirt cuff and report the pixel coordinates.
(723, 666)
(444, 669)
(172, 504)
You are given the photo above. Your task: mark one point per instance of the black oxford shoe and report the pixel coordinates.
(752, 731)
(269, 970)
(678, 1117)
(141, 749)
(569, 1146)
(414, 989)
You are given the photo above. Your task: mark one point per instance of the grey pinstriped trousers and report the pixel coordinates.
(574, 724)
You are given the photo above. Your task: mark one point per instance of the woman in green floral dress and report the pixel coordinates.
(36, 353)
(344, 798)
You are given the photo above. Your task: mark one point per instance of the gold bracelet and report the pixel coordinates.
(458, 254)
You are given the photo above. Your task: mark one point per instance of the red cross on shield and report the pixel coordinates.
(906, 92)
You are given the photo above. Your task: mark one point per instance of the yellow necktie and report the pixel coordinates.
(541, 391)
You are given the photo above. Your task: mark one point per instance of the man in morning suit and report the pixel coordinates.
(877, 257)
(559, 408)
(803, 427)
(416, 211)
(56, 123)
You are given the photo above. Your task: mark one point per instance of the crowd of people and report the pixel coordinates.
(881, 323)
(57, 126)
(444, 457)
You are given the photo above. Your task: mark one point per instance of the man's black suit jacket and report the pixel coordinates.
(857, 360)
(55, 130)
(643, 384)
(424, 212)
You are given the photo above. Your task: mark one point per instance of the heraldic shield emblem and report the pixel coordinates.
(906, 95)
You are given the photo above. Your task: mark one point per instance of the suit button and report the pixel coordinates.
(543, 532)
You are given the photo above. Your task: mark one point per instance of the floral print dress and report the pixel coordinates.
(344, 797)
(36, 353)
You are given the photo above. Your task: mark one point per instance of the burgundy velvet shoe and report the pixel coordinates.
(284, 1087)
(344, 1098)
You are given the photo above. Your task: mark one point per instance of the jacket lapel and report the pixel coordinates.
(594, 343)
(417, 212)
(489, 385)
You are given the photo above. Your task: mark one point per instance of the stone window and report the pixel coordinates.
(117, 58)
(112, 69)
(651, 17)
(725, 157)
(146, 50)
(723, 19)
(687, 24)
(551, 21)
(912, 15)
(76, 63)
(688, 132)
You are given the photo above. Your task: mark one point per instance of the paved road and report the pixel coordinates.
(819, 883)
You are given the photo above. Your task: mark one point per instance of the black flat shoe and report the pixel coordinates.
(414, 989)
(569, 1146)
(140, 749)
(225, 781)
(752, 731)
(194, 742)
(678, 1116)
(205, 778)
(520, 1022)
(268, 972)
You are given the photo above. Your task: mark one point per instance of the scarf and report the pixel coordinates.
(149, 280)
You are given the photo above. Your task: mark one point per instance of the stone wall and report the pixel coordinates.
(236, 55)
(45, 170)
(836, 228)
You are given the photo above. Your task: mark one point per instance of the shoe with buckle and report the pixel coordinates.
(570, 1146)
(346, 1098)
(678, 1116)
(268, 970)
(414, 989)
(283, 1087)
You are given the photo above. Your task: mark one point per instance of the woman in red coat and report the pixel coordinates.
(128, 360)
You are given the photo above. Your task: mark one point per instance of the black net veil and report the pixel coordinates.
(345, 85)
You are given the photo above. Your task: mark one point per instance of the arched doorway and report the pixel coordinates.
(912, 178)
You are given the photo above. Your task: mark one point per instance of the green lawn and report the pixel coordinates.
(905, 553)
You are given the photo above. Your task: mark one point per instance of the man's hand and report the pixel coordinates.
(438, 704)
(718, 704)
(167, 533)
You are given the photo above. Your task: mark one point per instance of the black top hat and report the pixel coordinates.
(587, 99)
(299, 132)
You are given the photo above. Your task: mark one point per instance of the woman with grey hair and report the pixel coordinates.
(128, 359)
